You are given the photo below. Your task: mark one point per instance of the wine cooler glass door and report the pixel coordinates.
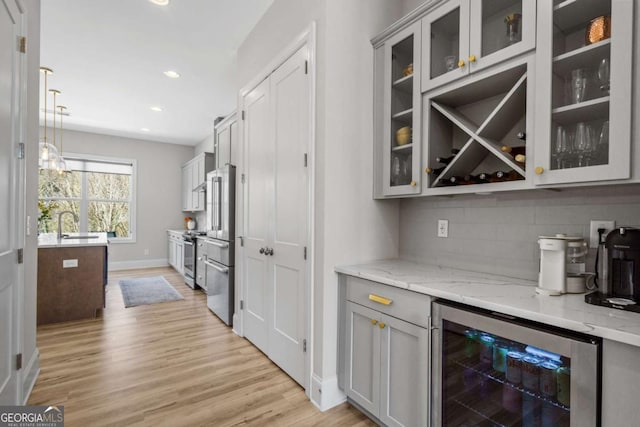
(503, 373)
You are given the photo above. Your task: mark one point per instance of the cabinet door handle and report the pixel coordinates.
(413, 183)
(460, 63)
(472, 58)
(374, 322)
(381, 325)
(539, 170)
(379, 299)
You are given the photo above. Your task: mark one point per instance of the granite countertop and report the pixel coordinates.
(506, 295)
(50, 240)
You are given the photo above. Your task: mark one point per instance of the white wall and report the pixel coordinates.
(350, 226)
(158, 193)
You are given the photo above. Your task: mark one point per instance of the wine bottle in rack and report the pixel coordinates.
(483, 178)
(512, 176)
(456, 180)
(514, 151)
(472, 179)
(497, 176)
(522, 136)
(520, 158)
(455, 151)
(445, 160)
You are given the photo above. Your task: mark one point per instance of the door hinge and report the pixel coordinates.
(305, 160)
(305, 252)
(241, 305)
(22, 44)
(20, 256)
(21, 150)
(304, 345)
(242, 114)
(18, 361)
(306, 67)
(242, 178)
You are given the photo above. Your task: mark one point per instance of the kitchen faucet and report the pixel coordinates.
(75, 218)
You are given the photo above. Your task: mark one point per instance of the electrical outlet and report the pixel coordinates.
(69, 263)
(443, 228)
(593, 233)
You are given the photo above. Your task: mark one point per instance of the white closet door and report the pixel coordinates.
(287, 269)
(9, 199)
(258, 187)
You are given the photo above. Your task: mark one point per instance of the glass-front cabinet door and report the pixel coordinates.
(584, 75)
(401, 112)
(464, 36)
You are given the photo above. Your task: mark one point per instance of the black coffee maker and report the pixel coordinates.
(623, 266)
(619, 284)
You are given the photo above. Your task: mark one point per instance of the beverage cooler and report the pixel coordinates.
(490, 369)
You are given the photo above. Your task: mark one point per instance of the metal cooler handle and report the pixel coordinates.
(223, 270)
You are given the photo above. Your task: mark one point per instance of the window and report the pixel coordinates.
(99, 190)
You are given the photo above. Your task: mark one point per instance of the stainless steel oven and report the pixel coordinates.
(189, 259)
(493, 369)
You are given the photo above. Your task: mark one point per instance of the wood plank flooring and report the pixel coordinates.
(173, 364)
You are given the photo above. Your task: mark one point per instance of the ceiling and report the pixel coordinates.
(108, 59)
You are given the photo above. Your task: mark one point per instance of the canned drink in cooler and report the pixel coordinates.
(550, 415)
(548, 381)
(563, 381)
(531, 416)
(486, 350)
(500, 350)
(531, 373)
(514, 367)
(471, 343)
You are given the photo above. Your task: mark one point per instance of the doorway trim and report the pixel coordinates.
(306, 39)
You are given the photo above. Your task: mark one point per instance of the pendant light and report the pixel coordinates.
(47, 153)
(55, 165)
(62, 163)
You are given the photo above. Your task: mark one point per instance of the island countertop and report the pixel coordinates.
(506, 295)
(50, 240)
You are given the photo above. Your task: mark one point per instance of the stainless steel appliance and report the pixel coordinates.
(562, 269)
(493, 369)
(220, 274)
(188, 266)
(620, 282)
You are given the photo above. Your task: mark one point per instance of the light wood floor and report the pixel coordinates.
(172, 364)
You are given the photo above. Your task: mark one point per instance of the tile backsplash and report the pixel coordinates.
(498, 233)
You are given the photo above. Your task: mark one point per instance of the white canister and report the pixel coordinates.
(191, 225)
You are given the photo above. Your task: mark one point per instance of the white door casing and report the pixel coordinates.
(11, 199)
(276, 214)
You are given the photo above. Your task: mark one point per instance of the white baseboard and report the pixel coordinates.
(30, 375)
(142, 263)
(325, 394)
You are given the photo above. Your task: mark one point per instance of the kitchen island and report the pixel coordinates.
(72, 274)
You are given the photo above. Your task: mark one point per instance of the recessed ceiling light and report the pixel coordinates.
(158, 109)
(145, 129)
(160, 2)
(172, 74)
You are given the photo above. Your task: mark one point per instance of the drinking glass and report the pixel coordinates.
(561, 147)
(584, 145)
(602, 149)
(450, 62)
(578, 85)
(604, 73)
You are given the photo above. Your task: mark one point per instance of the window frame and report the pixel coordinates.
(84, 199)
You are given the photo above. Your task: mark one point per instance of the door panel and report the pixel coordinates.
(257, 154)
(290, 124)
(363, 357)
(9, 201)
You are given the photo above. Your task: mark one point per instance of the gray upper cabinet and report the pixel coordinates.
(226, 137)
(398, 113)
(584, 80)
(465, 36)
(194, 176)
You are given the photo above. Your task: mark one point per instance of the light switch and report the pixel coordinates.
(69, 263)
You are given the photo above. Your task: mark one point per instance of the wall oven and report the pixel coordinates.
(497, 370)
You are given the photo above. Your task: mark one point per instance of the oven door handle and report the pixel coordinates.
(223, 270)
(186, 242)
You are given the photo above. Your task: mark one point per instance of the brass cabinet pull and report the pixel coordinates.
(381, 325)
(539, 170)
(379, 299)
(374, 322)
(472, 58)
(413, 183)
(460, 63)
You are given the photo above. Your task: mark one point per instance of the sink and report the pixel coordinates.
(80, 236)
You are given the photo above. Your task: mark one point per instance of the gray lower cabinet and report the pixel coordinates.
(387, 358)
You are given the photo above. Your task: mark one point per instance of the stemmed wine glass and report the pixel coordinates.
(561, 148)
(584, 143)
(604, 73)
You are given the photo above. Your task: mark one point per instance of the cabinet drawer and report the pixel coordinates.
(401, 303)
